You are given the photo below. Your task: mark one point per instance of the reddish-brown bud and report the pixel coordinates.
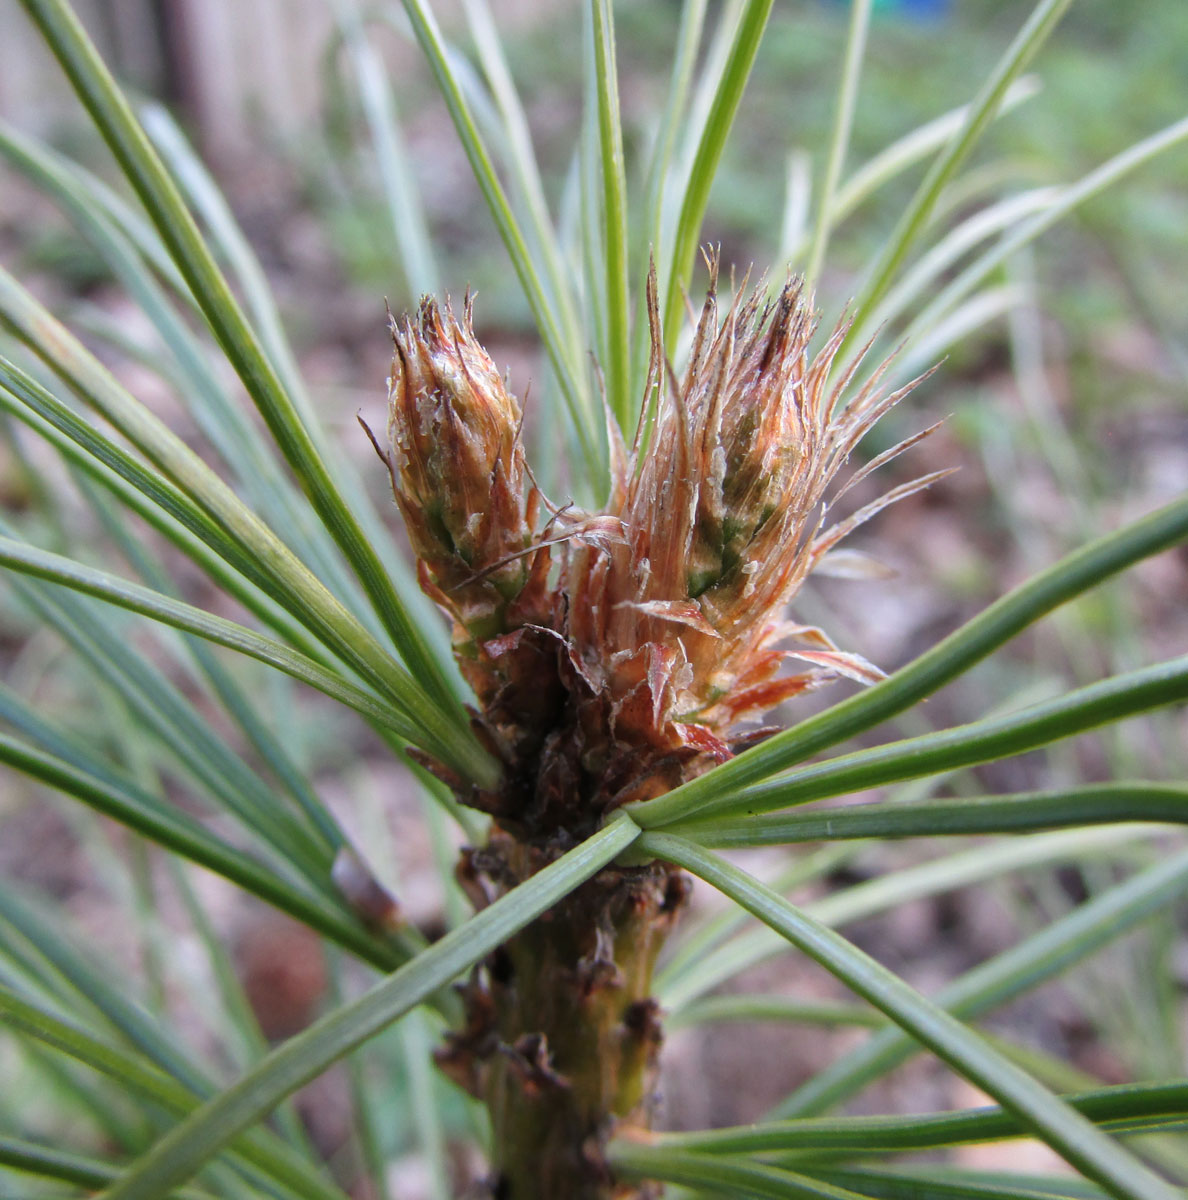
(722, 522)
(615, 653)
(458, 467)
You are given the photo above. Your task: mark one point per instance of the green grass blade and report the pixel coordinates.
(235, 438)
(741, 58)
(684, 60)
(201, 191)
(220, 573)
(418, 1046)
(410, 229)
(73, 978)
(840, 138)
(980, 741)
(82, 1098)
(523, 167)
(1125, 1106)
(980, 113)
(315, 545)
(130, 220)
(125, 803)
(25, 394)
(963, 869)
(233, 1017)
(719, 1176)
(164, 713)
(46, 1162)
(248, 716)
(617, 367)
(794, 220)
(1078, 807)
(64, 760)
(687, 961)
(651, 230)
(985, 223)
(1043, 1114)
(1065, 580)
(192, 1143)
(258, 1149)
(157, 191)
(747, 1008)
(1067, 200)
(1041, 957)
(908, 150)
(561, 354)
(988, 305)
(151, 497)
(933, 1183)
(363, 1112)
(177, 614)
(249, 546)
(591, 234)
(244, 1039)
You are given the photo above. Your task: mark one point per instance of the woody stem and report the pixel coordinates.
(572, 1034)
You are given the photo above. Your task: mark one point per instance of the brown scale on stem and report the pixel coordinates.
(613, 656)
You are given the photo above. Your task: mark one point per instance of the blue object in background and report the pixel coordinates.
(917, 10)
(928, 10)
